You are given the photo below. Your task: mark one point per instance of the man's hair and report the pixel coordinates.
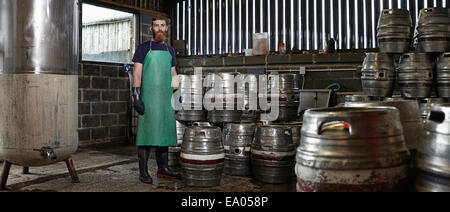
(159, 18)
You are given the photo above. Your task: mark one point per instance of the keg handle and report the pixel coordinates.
(436, 116)
(335, 126)
(388, 11)
(428, 10)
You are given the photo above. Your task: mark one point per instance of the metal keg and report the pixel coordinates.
(191, 89)
(410, 118)
(272, 154)
(225, 92)
(415, 75)
(296, 128)
(251, 111)
(38, 81)
(202, 156)
(174, 151)
(394, 32)
(351, 149)
(378, 75)
(433, 157)
(288, 97)
(443, 75)
(425, 106)
(357, 98)
(237, 141)
(433, 31)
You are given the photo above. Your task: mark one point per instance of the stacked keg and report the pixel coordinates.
(433, 158)
(415, 75)
(351, 149)
(237, 141)
(174, 151)
(191, 88)
(272, 154)
(288, 97)
(202, 156)
(443, 75)
(378, 75)
(394, 31)
(251, 111)
(433, 30)
(225, 90)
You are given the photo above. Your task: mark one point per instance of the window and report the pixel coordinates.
(107, 35)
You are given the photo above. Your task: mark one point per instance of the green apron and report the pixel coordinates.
(157, 126)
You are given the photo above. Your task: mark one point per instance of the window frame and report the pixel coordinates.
(137, 20)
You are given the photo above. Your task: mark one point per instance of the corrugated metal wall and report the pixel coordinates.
(227, 26)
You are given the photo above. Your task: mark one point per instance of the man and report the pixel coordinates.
(154, 79)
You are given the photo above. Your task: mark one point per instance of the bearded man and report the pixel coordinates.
(154, 80)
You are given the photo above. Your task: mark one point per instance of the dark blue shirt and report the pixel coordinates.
(143, 49)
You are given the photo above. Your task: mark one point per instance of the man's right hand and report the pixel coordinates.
(138, 103)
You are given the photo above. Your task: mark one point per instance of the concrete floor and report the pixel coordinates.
(114, 168)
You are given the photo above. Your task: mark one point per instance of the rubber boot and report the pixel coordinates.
(143, 154)
(162, 159)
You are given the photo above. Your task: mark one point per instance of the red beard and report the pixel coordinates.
(159, 36)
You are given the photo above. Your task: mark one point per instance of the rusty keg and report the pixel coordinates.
(224, 97)
(415, 75)
(433, 31)
(351, 149)
(174, 151)
(443, 75)
(410, 117)
(394, 32)
(433, 157)
(191, 91)
(378, 75)
(272, 154)
(237, 141)
(202, 156)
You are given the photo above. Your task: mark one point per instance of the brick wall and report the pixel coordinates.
(103, 99)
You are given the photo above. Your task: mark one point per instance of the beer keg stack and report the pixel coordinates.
(422, 67)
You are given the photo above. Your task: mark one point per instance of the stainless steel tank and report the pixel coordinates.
(394, 31)
(38, 81)
(433, 157)
(351, 149)
(378, 75)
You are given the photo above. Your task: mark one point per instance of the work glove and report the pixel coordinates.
(138, 103)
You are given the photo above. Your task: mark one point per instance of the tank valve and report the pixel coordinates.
(47, 152)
